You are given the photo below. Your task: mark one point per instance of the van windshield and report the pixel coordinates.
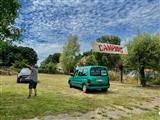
(98, 71)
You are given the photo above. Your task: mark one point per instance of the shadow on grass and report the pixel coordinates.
(96, 91)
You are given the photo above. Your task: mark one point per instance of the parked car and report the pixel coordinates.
(90, 77)
(23, 76)
(133, 74)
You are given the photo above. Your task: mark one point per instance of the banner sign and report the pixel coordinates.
(109, 48)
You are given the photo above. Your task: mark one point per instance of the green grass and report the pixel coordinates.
(55, 97)
(152, 115)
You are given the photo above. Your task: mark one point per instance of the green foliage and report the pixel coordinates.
(51, 68)
(20, 64)
(48, 68)
(104, 59)
(8, 14)
(68, 58)
(114, 76)
(91, 60)
(49, 64)
(52, 58)
(27, 53)
(156, 80)
(144, 52)
(9, 54)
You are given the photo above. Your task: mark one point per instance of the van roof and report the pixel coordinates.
(91, 66)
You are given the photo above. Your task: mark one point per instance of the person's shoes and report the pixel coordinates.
(29, 97)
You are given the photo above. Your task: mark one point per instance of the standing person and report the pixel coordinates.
(33, 80)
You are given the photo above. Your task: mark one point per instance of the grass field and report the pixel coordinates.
(55, 97)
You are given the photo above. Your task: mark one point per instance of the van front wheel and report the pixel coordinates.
(70, 84)
(84, 88)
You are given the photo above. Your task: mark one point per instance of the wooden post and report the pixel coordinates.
(121, 74)
(120, 64)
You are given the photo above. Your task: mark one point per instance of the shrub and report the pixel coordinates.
(48, 68)
(114, 76)
(156, 81)
(91, 60)
(8, 71)
(19, 64)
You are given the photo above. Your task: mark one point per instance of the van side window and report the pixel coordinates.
(76, 73)
(83, 72)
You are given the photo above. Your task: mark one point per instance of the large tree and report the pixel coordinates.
(109, 60)
(68, 58)
(8, 14)
(144, 52)
(50, 63)
(11, 53)
(52, 59)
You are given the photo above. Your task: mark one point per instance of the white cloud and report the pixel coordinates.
(51, 21)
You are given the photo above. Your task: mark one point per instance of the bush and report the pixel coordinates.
(91, 60)
(156, 81)
(114, 76)
(19, 64)
(48, 68)
(8, 71)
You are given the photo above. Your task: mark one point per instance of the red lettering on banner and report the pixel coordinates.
(100, 47)
(110, 47)
(105, 48)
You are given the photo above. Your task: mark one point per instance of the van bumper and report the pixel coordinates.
(98, 86)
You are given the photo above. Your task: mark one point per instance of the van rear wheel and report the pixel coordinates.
(84, 88)
(104, 89)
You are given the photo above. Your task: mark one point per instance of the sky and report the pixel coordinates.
(48, 23)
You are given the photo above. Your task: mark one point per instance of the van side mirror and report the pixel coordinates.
(72, 74)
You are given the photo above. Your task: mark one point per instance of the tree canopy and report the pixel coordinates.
(109, 60)
(8, 14)
(144, 52)
(11, 53)
(52, 58)
(68, 58)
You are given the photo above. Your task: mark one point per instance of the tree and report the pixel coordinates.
(49, 64)
(19, 64)
(8, 14)
(6, 53)
(27, 53)
(144, 52)
(52, 58)
(10, 53)
(91, 60)
(51, 68)
(68, 58)
(109, 60)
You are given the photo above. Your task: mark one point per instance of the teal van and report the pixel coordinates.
(90, 77)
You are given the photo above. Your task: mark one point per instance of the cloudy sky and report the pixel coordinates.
(48, 23)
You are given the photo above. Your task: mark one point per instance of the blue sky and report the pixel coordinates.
(48, 23)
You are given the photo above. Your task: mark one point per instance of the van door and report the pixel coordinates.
(76, 79)
(83, 76)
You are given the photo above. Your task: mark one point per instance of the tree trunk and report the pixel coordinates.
(142, 77)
